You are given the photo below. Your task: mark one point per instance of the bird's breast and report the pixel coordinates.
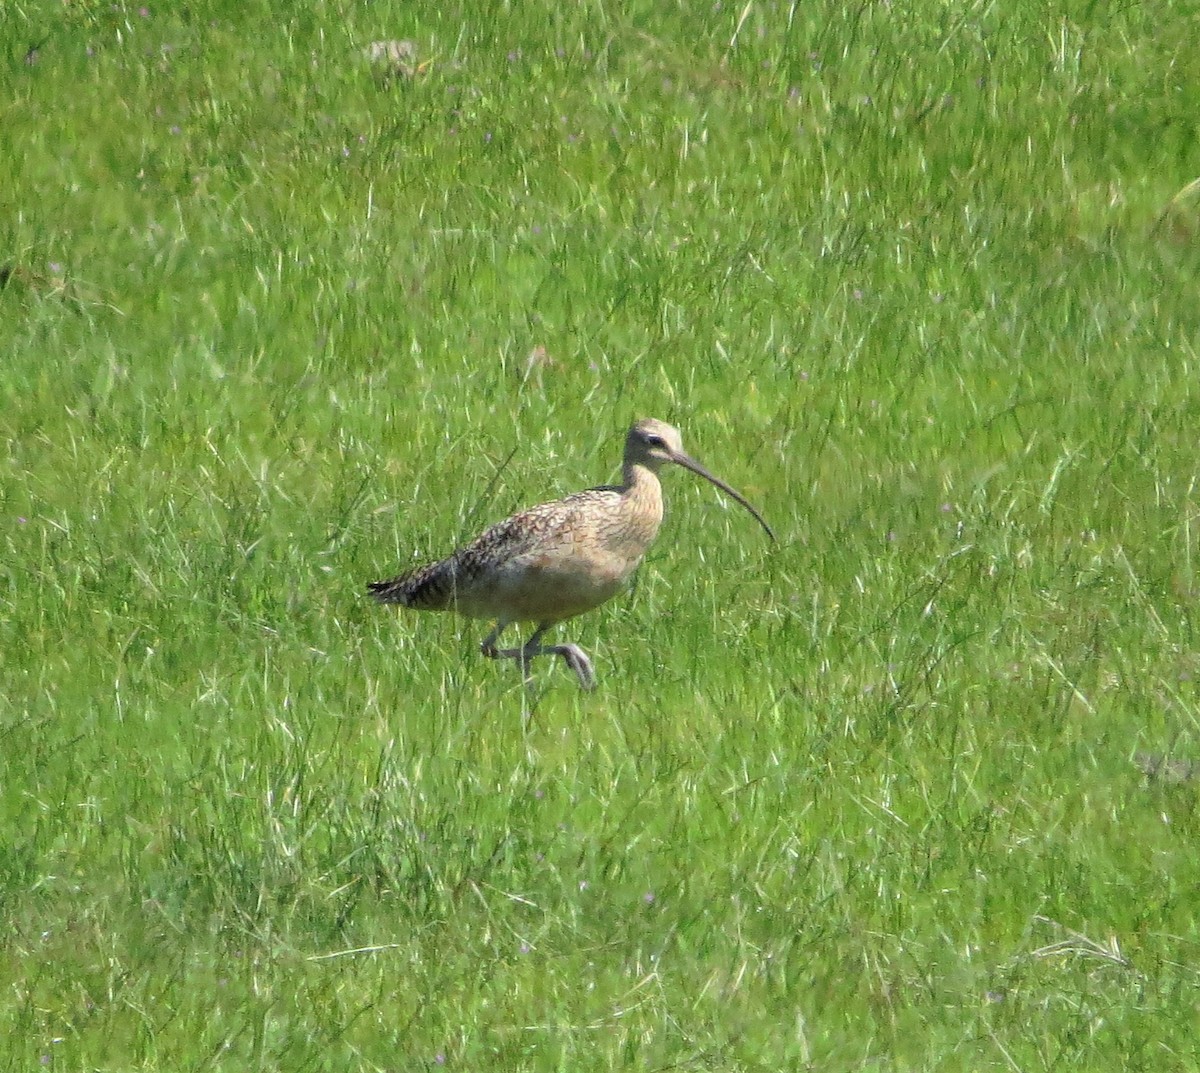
(617, 539)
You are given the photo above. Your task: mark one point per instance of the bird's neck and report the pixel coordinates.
(640, 514)
(641, 486)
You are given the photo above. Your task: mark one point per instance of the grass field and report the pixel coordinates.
(914, 278)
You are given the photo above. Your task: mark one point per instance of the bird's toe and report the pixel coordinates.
(578, 661)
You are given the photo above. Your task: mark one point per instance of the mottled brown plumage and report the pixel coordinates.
(557, 560)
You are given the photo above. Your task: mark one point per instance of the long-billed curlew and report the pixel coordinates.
(557, 560)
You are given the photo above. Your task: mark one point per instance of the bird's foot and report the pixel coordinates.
(572, 654)
(577, 660)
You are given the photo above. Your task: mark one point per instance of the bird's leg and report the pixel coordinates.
(573, 655)
(488, 645)
(523, 654)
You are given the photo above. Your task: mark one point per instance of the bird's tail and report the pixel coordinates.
(428, 588)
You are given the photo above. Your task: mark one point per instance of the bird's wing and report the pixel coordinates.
(538, 529)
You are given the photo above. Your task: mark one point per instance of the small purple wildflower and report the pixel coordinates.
(803, 374)
(648, 897)
(56, 268)
(144, 12)
(857, 294)
(440, 1058)
(487, 137)
(176, 128)
(524, 948)
(22, 521)
(583, 884)
(946, 508)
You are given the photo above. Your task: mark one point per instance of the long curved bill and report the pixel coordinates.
(688, 462)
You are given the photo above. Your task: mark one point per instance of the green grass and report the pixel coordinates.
(911, 279)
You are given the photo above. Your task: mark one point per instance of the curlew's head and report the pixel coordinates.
(652, 444)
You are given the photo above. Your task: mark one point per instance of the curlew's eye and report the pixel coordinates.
(655, 441)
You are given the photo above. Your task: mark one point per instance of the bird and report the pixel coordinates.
(560, 559)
